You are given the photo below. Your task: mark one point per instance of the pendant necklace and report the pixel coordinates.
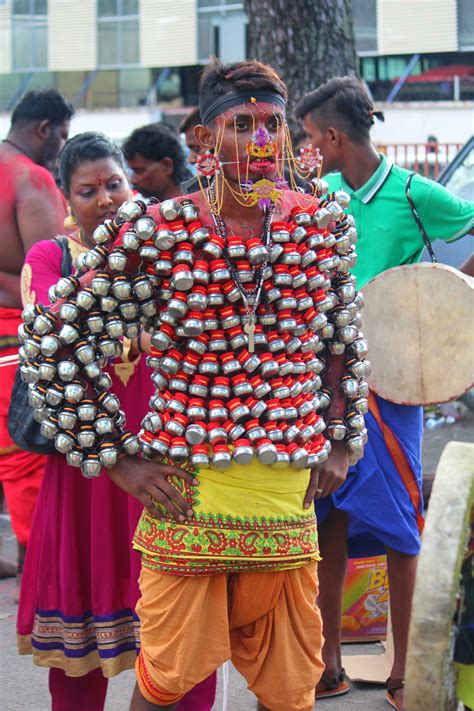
(251, 301)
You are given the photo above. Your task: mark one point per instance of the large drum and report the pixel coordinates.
(419, 323)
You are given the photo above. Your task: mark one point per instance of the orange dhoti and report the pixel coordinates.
(21, 472)
(266, 623)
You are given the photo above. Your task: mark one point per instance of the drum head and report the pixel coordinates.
(418, 320)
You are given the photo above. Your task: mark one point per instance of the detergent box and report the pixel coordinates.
(365, 602)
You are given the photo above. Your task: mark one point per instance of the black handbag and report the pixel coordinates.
(22, 426)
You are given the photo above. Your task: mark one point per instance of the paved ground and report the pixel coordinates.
(24, 686)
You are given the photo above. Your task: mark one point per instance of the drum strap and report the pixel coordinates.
(418, 221)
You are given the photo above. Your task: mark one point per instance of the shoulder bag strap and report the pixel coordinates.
(66, 260)
(418, 221)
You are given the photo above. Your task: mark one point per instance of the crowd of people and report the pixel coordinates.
(174, 566)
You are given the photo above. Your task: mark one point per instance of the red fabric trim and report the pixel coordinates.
(400, 461)
(151, 692)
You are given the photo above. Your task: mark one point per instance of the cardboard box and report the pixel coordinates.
(366, 599)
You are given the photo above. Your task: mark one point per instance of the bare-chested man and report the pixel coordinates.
(31, 209)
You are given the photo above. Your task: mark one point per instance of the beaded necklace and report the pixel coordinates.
(251, 300)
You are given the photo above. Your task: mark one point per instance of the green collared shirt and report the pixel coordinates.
(387, 233)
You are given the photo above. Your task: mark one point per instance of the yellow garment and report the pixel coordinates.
(465, 685)
(245, 518)
(267, 623)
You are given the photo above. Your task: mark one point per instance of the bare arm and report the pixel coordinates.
(40, 210)
(328, 476)
(467, 267)
(10, 296)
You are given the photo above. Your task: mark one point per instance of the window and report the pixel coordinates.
(30, 35)
(222, 28)
(364, 14)
(118, 33)
(465, 24)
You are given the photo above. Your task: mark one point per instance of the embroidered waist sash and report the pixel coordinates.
(247, 518)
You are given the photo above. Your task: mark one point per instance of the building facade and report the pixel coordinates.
(113, 53)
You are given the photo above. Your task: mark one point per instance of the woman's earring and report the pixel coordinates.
(70, 221)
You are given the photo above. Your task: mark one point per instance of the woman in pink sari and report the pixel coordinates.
(80, 581)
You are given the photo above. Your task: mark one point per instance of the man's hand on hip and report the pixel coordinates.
(148, 482)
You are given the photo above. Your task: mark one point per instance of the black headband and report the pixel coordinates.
(235, 98)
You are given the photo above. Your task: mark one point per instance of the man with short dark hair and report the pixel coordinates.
(379, 494)
(156, 160)
(31, 210)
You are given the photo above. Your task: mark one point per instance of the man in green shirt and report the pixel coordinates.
(378, 496)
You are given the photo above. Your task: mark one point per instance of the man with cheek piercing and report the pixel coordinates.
(240, 286)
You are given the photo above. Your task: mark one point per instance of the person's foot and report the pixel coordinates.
(332, 684)
(7, 570)
(396, 693)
